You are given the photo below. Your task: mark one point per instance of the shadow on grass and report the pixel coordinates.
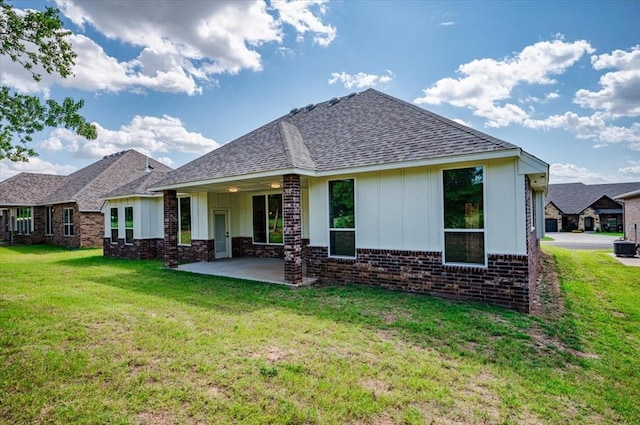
(459, 329)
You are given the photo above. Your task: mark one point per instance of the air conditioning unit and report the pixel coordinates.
(624, 248)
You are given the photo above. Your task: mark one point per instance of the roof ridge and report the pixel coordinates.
(120, 155)
(295, 149)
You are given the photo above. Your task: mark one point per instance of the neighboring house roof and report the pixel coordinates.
(573, 198)
(88, 185)
(84, 187)
(138, 187)
(359, 130)
(26, 189)
(629, 195)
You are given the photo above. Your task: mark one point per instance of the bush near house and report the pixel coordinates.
(88, 339)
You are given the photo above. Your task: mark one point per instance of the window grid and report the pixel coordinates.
(67, 221)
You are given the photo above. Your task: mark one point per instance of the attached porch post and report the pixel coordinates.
(170, 228)
(292, 212)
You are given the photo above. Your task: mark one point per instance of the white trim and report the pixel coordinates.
(227, 216)
(444, 230)
(483, 156)
(70, 223)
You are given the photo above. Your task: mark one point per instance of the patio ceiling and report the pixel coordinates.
(242, 185)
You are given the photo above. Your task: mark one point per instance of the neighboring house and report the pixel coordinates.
(366, 189)
(577, 206)
(631, 203)
(65, 210)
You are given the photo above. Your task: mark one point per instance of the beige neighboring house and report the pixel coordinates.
(631, 203)
(65, 210)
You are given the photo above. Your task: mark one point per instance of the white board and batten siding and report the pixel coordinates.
(148, 217)
(403, 209)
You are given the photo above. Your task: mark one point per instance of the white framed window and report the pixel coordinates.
(184, 220)
(128, 225)
(114, 225)
(67, 221)
(464, 229)
(267, 219)
(48, 221)
(24, 221)
(342, 218)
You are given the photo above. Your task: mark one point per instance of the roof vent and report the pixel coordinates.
(310, 107)
(294, 111)
(333, 101)
(350, 95)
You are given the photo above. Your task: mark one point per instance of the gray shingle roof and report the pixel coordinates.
(573, 198)
(28, 188)
(370, 128)
(85, 187)
(138, 186)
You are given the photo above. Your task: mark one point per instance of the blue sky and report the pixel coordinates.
(177, 79)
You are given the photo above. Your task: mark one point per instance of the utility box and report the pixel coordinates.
(624, 248)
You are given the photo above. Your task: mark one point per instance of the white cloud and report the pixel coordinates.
(35, 165)
(620, 93)
(632, 170)
(571, 173)
(147, 135)
(463, 122)
(447, 24)
(181, 45)
(165, 160)
(361, 79)
(299, 14)
(486, 84)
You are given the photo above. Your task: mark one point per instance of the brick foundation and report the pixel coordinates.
(140, 249)
(243, 246)
(199, 250)
(504, 282)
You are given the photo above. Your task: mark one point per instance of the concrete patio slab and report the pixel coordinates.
(628, 261)
(270, 270)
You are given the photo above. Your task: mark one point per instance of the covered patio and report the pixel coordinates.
(269, 270)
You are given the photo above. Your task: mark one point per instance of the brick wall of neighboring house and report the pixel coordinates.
(589, 213)
(58, 237)
(504, 282)
(3, 221)
(199, 250)
(551, 212)
(91, 229)
(632, 219)
(140, 249)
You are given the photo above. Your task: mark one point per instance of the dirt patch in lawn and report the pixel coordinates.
(548, 300)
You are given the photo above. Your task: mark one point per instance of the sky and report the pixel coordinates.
(176, 79)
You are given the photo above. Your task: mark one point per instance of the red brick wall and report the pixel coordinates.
(632, 219)
(504, 282)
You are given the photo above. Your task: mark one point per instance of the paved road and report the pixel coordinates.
(581, 240)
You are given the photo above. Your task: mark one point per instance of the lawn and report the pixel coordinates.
(86, 339)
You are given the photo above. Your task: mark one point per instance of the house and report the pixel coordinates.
(577, 206)
(65, 210)
(631, 204)
(364, 189)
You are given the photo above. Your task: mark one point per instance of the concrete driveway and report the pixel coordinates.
(580, 240)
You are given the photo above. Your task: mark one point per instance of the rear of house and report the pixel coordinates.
(364, 189)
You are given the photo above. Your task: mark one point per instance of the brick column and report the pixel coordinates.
(292, 215)
(170, 228)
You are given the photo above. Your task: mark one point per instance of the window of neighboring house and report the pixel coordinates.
(463, 190)
(184, 217)
(48, 221)
(67, 221)
(24, 221)
(267, 219)
(128, 225)
(342, 219)
(114, 225)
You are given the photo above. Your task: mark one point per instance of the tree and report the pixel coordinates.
(36, 40)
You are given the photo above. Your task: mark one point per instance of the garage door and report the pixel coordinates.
(550, 225)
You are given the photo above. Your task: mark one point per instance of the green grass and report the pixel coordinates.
(617, 234)
(548, 238)
(87, 339)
